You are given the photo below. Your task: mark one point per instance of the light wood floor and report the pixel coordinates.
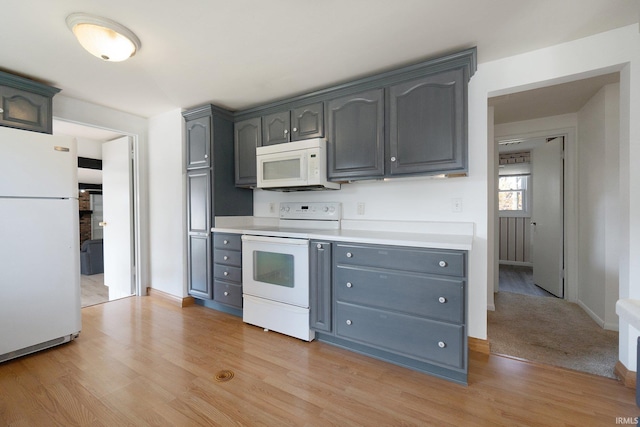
(140, 361)
(93, 290)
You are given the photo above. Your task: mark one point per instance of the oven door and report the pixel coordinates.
(276, 269)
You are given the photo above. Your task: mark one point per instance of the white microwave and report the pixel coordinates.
(294, 166)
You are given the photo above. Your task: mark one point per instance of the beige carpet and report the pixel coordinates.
(551, 331)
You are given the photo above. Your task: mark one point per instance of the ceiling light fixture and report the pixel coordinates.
(103, 37)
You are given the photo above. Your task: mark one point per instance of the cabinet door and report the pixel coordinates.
(248, 136)
(355, 138)
(199, 266)
(320, 286)
(427, 125)
(199, 201)
(198, 143)
(307, 122)
(275, 128)
(24, 110)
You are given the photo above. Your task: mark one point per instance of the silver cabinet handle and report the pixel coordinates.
(442, 344)
(206, 156)
(393, 159)
(442, 300)
(226, 294)
(349, 322)
(226, 273)
(349, 255)
(286, 131)
(226, 242)
(295, 129)
(225, 257)
(319, 246)
(1, 110)
(442, 263)
(349, 285)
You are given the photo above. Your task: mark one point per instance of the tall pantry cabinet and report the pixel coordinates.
(210, 189)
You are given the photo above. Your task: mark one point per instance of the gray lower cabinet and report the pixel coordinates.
(211, 191)
(320, 285)
(293, 125)
(400, 304)
(355, 136)
(227, 269)
(427, 125)
(26, 104)
(247, 136)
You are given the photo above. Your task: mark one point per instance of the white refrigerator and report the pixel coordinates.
(39, 242)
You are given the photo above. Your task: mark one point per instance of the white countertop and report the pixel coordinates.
(439, 235)
(629, 310)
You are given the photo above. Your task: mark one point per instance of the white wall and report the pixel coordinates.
(167, 250)
(598, 201)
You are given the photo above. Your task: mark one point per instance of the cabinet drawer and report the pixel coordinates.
(450, 263)
(227, 293)
(227, 241)
(401, 334)
(225, 272)
(434, 297)
(233, 258)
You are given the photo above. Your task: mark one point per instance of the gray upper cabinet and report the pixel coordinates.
(355, 136)
(307, 122)
(26, 104)
(198, 143)
(427, 125)
(248, 136)
(294, 125)
(275, 128)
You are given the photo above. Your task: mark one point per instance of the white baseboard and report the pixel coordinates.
(591, 314)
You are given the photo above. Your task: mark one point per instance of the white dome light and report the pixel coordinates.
(102, 37)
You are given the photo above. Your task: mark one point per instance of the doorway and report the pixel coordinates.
(549, 336)
(106, 170)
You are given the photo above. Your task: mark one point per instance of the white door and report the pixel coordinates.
(547, 216)
(117, 218)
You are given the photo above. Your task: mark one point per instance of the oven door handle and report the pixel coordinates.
(278, 240)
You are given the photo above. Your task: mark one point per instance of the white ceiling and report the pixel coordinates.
(241, 53)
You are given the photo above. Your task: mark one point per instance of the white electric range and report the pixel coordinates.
(275, 267)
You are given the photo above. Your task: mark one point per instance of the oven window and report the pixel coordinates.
(274, 268)
(281, 169)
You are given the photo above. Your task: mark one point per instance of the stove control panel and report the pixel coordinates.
(330, 211)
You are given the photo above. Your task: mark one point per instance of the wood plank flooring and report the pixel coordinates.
(141, 361)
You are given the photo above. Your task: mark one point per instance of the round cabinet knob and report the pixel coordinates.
(206, 156)
(349, 255)
(442, 300)
(295, 129)
(1, 110)
(225, 257)
(286, 131)
(226, 294)
(441, 344)
(349, 285)
(226, 273)
(442, 263)
(393, 159)
(226, 242)
(349, 322)
(319, 246)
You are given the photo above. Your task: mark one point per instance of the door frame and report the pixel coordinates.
(136, 204)
(570, 214)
